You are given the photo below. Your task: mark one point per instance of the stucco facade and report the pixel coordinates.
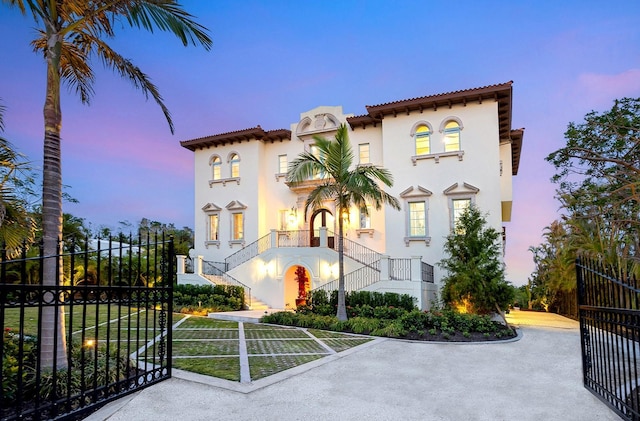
(444, 151)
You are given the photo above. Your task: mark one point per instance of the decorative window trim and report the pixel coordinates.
(361, 231)
(414, 131)
(417, 194)
(280, 174)
(236, 207)
(224, 181)
(418, 124)
(448, 119)
(436, 156)
(457, 192)
(211, 209)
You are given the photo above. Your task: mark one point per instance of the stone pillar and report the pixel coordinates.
(416, 268)
(197, 265)
(181, 264)
(323, 237)
(384, 268)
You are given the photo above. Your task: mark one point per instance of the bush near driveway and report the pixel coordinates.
(433, 325)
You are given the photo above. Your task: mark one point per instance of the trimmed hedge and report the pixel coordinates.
(203, 299)
(359, 303)
(414, 324)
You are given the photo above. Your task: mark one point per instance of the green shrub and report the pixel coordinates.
(393, 329)
(201, 299)
(10, 360)
(363, 325)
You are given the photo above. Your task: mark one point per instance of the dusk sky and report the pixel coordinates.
(272, 60)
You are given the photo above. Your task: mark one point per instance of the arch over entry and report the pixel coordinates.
(321, 218)
(297, 282)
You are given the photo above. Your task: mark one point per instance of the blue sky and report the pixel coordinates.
(272, 60)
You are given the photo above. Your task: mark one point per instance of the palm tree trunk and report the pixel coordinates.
(342, 309)
(53, 350)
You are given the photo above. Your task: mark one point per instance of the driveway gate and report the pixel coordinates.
(610, 336)
(103, 330)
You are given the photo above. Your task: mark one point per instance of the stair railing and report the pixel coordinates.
(360, 253)
(208, 268)
(248, 252)
(353, 281)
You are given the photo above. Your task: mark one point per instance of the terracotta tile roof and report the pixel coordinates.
(516, 148)
(498, 92)
(254, 133)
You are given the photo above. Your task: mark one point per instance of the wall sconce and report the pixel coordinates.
(293, 217)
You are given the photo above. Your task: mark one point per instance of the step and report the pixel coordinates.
(245, 316)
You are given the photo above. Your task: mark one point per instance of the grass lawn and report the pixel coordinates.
(201, 345)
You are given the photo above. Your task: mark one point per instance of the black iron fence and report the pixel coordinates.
(610, 336)
(100, 331)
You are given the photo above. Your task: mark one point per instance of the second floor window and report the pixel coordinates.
(213, 227)
(417, 219)
(234, 160)
(365, 218)
(237, 230)
(458, 207)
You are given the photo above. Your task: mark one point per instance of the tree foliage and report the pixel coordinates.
(17, 227)
(475, 272)
(598, 178)
(343, 184)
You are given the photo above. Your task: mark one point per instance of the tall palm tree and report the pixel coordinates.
(71, 33)
(342, 183)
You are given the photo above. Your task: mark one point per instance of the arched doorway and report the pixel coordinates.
(322, 218)
(297, 282)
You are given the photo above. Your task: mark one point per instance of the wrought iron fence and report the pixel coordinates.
(610, 334)
(360, 253)
(353, 281)
(102, 331)
(427, 272)
(248, 252)
(400, 269)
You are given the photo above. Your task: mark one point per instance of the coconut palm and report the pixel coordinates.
(343, 184)
(70, 34)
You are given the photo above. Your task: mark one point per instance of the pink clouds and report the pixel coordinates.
(599, 90)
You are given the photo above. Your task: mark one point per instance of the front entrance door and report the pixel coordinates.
(321, 218)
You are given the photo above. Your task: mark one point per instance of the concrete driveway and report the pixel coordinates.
(538, 377)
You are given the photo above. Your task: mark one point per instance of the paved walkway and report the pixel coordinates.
(538, 377)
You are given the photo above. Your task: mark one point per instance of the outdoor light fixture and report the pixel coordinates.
(293, 217)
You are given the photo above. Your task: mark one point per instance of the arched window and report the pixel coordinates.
(234, 160)
(216, 164)
(423, 140)
(452, 136)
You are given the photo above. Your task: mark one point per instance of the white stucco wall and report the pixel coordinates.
(477, 174)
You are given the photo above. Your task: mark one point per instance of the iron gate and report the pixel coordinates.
(101, 332)
(610, 336)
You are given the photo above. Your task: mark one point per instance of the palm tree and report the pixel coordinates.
(342, 183)
(17, 228)
(71, 32)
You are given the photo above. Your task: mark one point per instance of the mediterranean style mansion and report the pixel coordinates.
(445, 152)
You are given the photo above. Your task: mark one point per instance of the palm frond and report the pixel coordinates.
(167, 15)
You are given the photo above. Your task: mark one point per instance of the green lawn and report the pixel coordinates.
(201, 345)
